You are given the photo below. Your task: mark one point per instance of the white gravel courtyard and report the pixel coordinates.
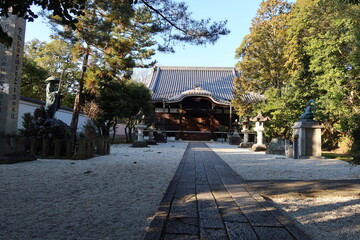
(108, 197)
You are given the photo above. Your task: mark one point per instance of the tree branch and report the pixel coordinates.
(163, 16)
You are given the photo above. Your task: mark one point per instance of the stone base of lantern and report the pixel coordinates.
(151, 142)
(235, 140)
(139, 144)
(245, 145)
(259, 147)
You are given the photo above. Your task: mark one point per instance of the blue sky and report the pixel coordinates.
(238, 13)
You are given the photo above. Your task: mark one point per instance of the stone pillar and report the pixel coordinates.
(12, 148)
(308, 135)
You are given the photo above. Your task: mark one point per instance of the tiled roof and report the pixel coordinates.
(170, 82)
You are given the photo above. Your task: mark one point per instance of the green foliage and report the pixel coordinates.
(115, 99)
(66, 10)
(44, 59)
(319, 59)
(33, 77)
(27, 123)
(261, 67)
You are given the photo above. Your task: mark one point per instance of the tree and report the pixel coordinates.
(138, 97)
(56, 58)
(33, 77)
(261, 66)
(114, 100)
(323, 51)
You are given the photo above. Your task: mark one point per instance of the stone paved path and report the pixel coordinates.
(208, 200)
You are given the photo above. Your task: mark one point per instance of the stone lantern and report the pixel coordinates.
(245, 130)
(140, 126)
(259, 128)
(235, 138)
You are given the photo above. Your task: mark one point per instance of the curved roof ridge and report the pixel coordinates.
(193, 68)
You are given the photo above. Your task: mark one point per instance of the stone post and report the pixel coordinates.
(10, 82)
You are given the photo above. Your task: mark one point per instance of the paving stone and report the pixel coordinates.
(184, 210)
(228, 180)
(260, 217)
(186, 185)
(180, 237)
(238, 231)
(201, 180)
(214, 180)
(187, 178)
(233, 215)
(184, 193)
(266, 233)
(211, 223)
(246, 201)
(213, 234)
(219, 187)
(206, 205)
(182, 226)
(203, 188)
(226, 202)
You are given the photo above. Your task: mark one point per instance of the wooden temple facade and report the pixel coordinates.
(191, 103)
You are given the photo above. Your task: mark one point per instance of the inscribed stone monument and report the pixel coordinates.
(10, 73)
(12, 148)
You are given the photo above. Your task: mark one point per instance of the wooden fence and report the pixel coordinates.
(67, 149)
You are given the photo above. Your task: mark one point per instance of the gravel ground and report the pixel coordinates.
(108, 197)
(328, 218)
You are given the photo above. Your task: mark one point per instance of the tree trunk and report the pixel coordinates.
(105, 129)
(126, 133)
(114, 131)
(79, 95)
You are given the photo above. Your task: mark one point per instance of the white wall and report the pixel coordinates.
(62, 114)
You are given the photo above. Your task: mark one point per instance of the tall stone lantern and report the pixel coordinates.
(245, 130)
(307, 134)
(259, 128)
(140, 126)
